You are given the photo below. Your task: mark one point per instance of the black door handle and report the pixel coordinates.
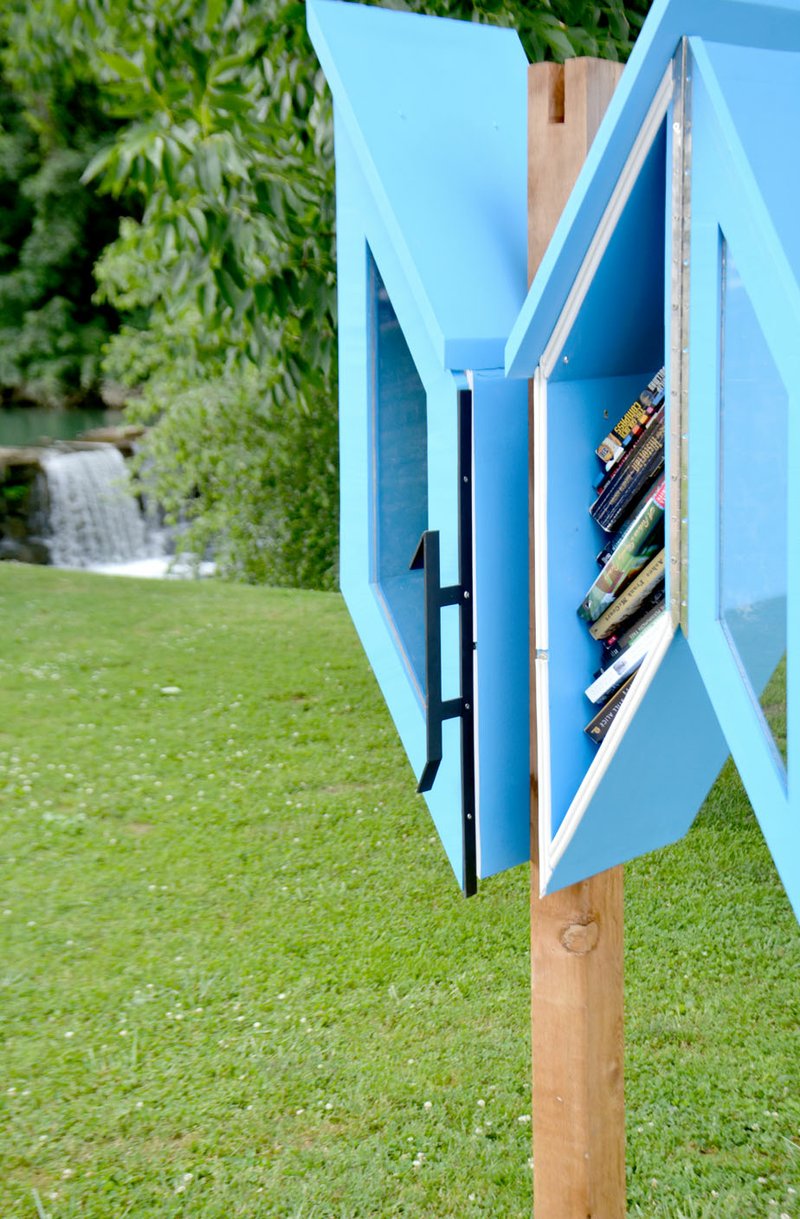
(426, 557)
(437, 709)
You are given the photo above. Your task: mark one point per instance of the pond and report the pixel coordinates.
(22, 425)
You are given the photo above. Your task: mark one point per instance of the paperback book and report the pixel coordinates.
(625, 665)
(630, 599)
(643, 464)
(631, 554)
(612, 469)
(616, 644)
(610, 449)
(600, 723)
(625, 606)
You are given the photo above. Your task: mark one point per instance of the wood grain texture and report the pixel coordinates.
(577, 933)
(565, 105)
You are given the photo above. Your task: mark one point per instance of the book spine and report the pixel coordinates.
(614, 468)
(623, 666)
(615, 645)
(629, 557)
(630, 599)
(616, 513)
(612, 447)
(642, 466)
(600, 723)
(654, 394)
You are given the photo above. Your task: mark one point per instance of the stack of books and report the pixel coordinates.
(625, 605)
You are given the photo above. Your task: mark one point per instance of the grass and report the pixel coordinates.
(238, 978)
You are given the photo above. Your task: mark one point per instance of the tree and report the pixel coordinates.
(52, 231)
(229, 273)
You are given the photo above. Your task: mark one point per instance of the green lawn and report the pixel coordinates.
(238, 976)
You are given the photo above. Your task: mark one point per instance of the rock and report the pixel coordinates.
(16, 459)
(31, 551)
(123, 437)
(117, 396)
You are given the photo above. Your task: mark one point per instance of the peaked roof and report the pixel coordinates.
(436, 112)
(767, 24)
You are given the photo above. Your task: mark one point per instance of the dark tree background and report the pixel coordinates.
(206, 127)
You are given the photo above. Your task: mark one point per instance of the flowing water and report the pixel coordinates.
(95, 519)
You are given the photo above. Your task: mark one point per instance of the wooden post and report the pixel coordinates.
(576, 934)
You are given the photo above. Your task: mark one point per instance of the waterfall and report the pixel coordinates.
(94, 516)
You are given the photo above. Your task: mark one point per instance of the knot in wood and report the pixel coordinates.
(580, 938)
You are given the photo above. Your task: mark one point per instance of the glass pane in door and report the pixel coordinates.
(753, 520)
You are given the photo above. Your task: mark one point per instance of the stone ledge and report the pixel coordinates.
(123, 438)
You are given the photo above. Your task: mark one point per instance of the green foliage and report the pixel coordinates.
(228, 277)
(52, 230)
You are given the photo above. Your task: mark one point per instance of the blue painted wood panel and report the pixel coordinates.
(359, 232)
(737, 223)
(762, 98)
(743, 599)
(746, 23)
(658, 778)
(500, 441)
(620, 327)
(436, 111)
(418, 292)
(600, 808)
(579, 414)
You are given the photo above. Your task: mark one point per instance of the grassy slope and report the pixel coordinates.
(239, 980)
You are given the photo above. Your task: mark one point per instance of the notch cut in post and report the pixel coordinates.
(577, 933)
(565, 105)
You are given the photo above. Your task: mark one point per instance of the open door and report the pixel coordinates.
(642, 787)
(744, 422)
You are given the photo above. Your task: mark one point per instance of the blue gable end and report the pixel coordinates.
(435, 112)
(770, 24)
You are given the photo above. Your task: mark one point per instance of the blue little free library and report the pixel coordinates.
(678, 248)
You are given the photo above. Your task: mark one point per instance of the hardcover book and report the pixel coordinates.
(635, 547)
(630, 599)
